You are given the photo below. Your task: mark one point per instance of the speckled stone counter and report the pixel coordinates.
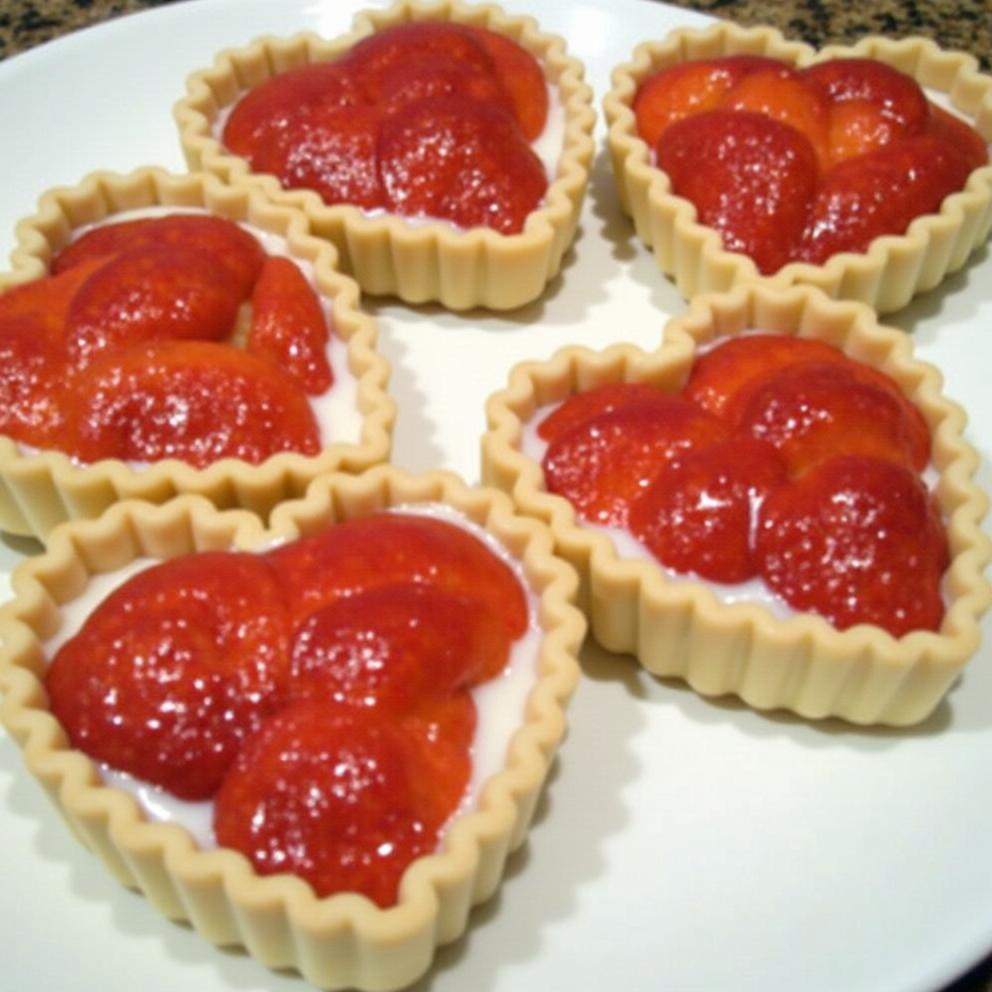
(960, 24)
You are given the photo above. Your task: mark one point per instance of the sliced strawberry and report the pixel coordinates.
(583, 406)
(175, 670)
(389, 548)
(897, 95)
(288, 326)
(857, 540)
(424, 76)
(462, 161)
(880, 193)
(724, 376)
(46, 302)
(690, 88)
(373, 57)
(329, 796)
(699, 513)
(784, 95)
(193, 400)
(266, 112)
(397, 647)
(442, 732)
(332, 150)
(810, 413)
(750, 178)
(962, 137)
(602, 465)
(521, 77)
(150, 292)
(858, 127)
(231, 247)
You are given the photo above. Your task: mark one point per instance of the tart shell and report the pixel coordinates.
(678, 627)
(42, 489)
(419, 262)
(343, 940)
(894, 268)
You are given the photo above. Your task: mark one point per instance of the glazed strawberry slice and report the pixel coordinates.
(374, 57)
(45, 302)
(175, 670)
(857, 540)
(270, 110)
(458, 160)
(584, 406)
(880, 193)
(858, 127)
(154, 291)
(390, 548)
(810, 413)
(689, 88)
(897, 95)
(193, 400)
(418, 78)
(602, 465)
(328, 796)
(397, 647)
(332, 150)
(783, 94)
(964, 139)
(230, 246)
(750, 178)
(288, 327)
(699, 513)
(521, 78)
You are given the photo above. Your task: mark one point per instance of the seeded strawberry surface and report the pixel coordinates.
(171, 673)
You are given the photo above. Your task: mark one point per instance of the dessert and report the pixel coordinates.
(739, 154)
(444, 149)
(167, 335)
(808, 465)
(343, 754)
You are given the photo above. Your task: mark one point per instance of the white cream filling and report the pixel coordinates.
(500, 702)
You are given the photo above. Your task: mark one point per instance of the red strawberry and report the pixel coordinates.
(858, 127)
(723, 377)
(689, 88)
(584, 406)
(330, 149)
(231, 247)
(602, 465)
(897, 95)
(699, 513)
(45, 302)
(150, 292)
(964, 139)
(442, 731)
(288, 326)
(193, 400)
(331, 797)
(462, 161)
(749, 177)
(389, 548)
(810, 413)
(269, 110)
(373, 57)
(857, 540)
(783, 94)
(521, 77)
(395, 647)
(879, 193)
(421, 77)
(175, 670)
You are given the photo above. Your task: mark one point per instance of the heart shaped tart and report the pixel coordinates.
(777, 504)
(863, 171)
(168, 334)
(319, 741)
(444, 149)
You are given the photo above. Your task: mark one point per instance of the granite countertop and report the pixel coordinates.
(960, 24)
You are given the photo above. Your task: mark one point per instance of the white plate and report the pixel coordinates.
(683, 844)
